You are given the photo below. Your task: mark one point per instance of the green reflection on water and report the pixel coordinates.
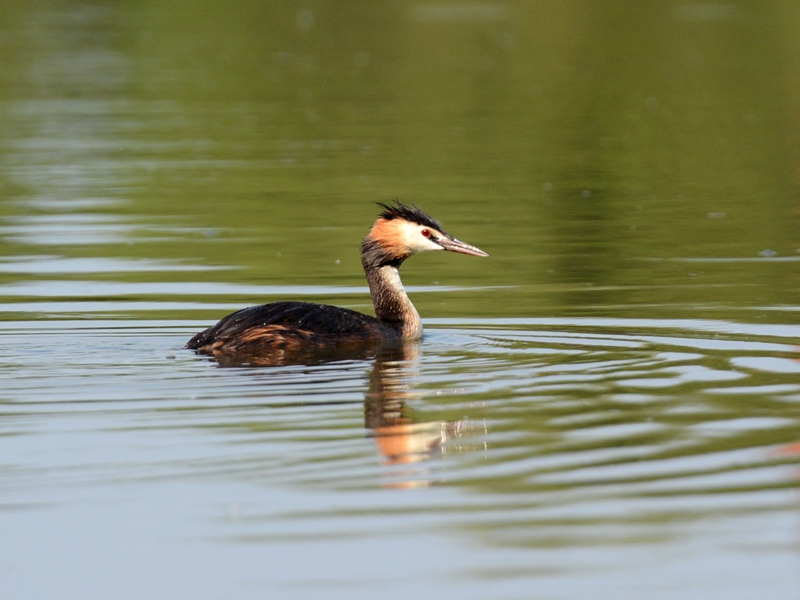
(619, 159)
(589, 149)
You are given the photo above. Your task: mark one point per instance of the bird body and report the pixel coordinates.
(285, 325)
(290, 327)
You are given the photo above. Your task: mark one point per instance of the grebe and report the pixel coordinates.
(284, 327)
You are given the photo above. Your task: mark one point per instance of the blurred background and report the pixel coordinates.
(606, 407)
(611, 157)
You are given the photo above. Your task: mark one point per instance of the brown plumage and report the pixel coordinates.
(287, 328)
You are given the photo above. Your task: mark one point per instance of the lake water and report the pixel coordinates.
(608, 406)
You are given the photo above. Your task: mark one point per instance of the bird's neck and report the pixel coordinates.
(392, 305)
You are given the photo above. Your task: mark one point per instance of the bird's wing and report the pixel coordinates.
(306, 322)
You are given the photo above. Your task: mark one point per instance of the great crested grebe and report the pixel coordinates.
(399, 232)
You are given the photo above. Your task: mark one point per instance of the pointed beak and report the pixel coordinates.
(454, 245)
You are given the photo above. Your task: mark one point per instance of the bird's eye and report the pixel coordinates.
(426, 232)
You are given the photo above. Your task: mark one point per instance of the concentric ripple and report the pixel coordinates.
(574, 422)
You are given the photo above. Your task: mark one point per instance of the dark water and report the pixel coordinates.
(607, 406)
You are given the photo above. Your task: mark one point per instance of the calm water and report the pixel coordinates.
(608, 406)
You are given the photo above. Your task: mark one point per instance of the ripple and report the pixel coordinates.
(51, 264)
(563, 433)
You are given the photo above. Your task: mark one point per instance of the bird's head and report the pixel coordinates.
(402, 231)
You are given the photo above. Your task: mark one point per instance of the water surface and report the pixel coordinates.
(607, 406)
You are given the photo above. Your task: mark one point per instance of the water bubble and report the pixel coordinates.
(586, 194)
(706, 11)
(505, 40)
(361, 59)
(305, 20)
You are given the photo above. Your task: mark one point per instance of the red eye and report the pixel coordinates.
(426, 232)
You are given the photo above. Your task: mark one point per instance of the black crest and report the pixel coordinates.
(409, 213)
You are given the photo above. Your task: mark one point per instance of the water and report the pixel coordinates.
(606, 406)
(556, 455)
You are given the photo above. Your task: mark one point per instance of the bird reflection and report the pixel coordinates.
(400, 438)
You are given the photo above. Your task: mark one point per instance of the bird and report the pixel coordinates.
(283, 328)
